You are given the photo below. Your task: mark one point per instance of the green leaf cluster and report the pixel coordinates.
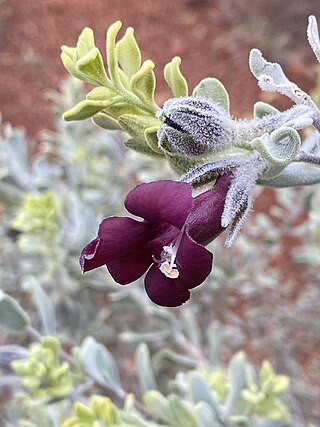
(39, 214)
(42, 373)
(124, 96)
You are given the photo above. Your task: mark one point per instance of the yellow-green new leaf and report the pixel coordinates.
(92, 66)
(69, 60)
(84, 109)
(175, 79)
(100, 94)
(214, 90)
(112, 53)
(85, 42)
(143, 84)
(129, 55)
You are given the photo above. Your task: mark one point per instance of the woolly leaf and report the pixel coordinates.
(280, 147)
(313, 36)
(237, 376)
(69, 60)
(175, 78)
(157, 405)
(92, 66)
(85, 42)
(201, 391)
(260, 67)
(100, 94)
(84, 110)
(112, 53)
(44, 304)
(262, 109)
(136, 124)
(180, 413)
(13, 319)
(143, 83)
(293, 175)
(128, 53)
(144, 370)
(214, 90)
(140, 147)
(105, 121)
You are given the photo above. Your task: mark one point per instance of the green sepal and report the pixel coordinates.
(104, 121)
(150, 135)
(214, 90)
(143, 84)
(262, 109)
(175, 78)
(84, 110)
(280, 147)
(92, 66)
(135, 124)
(180, 164)
(112, 53)
(140, 147)
(128, 52)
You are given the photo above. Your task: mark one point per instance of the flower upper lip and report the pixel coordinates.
(171, 236)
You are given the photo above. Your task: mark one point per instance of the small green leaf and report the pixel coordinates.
(313, 36)
(85, 42)
(112, 53)
(280, 385)
(136, 124)
(100, 94)
(175, 78)
(85, 109)
(92, 66)
(128, 53)
(144, 369)
(157, 405)
(181, 413)
(237, 374)
(262, 109)
(143, 83)
(44, 304)
(214, 90)
(13, 318)
(139, 147)
(69, 60)
(280, 147)
(105, 121)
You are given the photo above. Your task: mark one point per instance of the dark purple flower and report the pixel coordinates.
(168, 243)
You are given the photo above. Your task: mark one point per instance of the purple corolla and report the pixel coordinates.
(168, 243)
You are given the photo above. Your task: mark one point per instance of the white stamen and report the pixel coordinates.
(168, 271)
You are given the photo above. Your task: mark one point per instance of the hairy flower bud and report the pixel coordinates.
(194, 127)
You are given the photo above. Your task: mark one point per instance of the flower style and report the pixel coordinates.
(168, 243)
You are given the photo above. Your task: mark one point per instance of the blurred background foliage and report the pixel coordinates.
(183, 365)
(186, 366)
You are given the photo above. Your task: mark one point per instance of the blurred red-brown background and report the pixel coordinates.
(213, 38)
